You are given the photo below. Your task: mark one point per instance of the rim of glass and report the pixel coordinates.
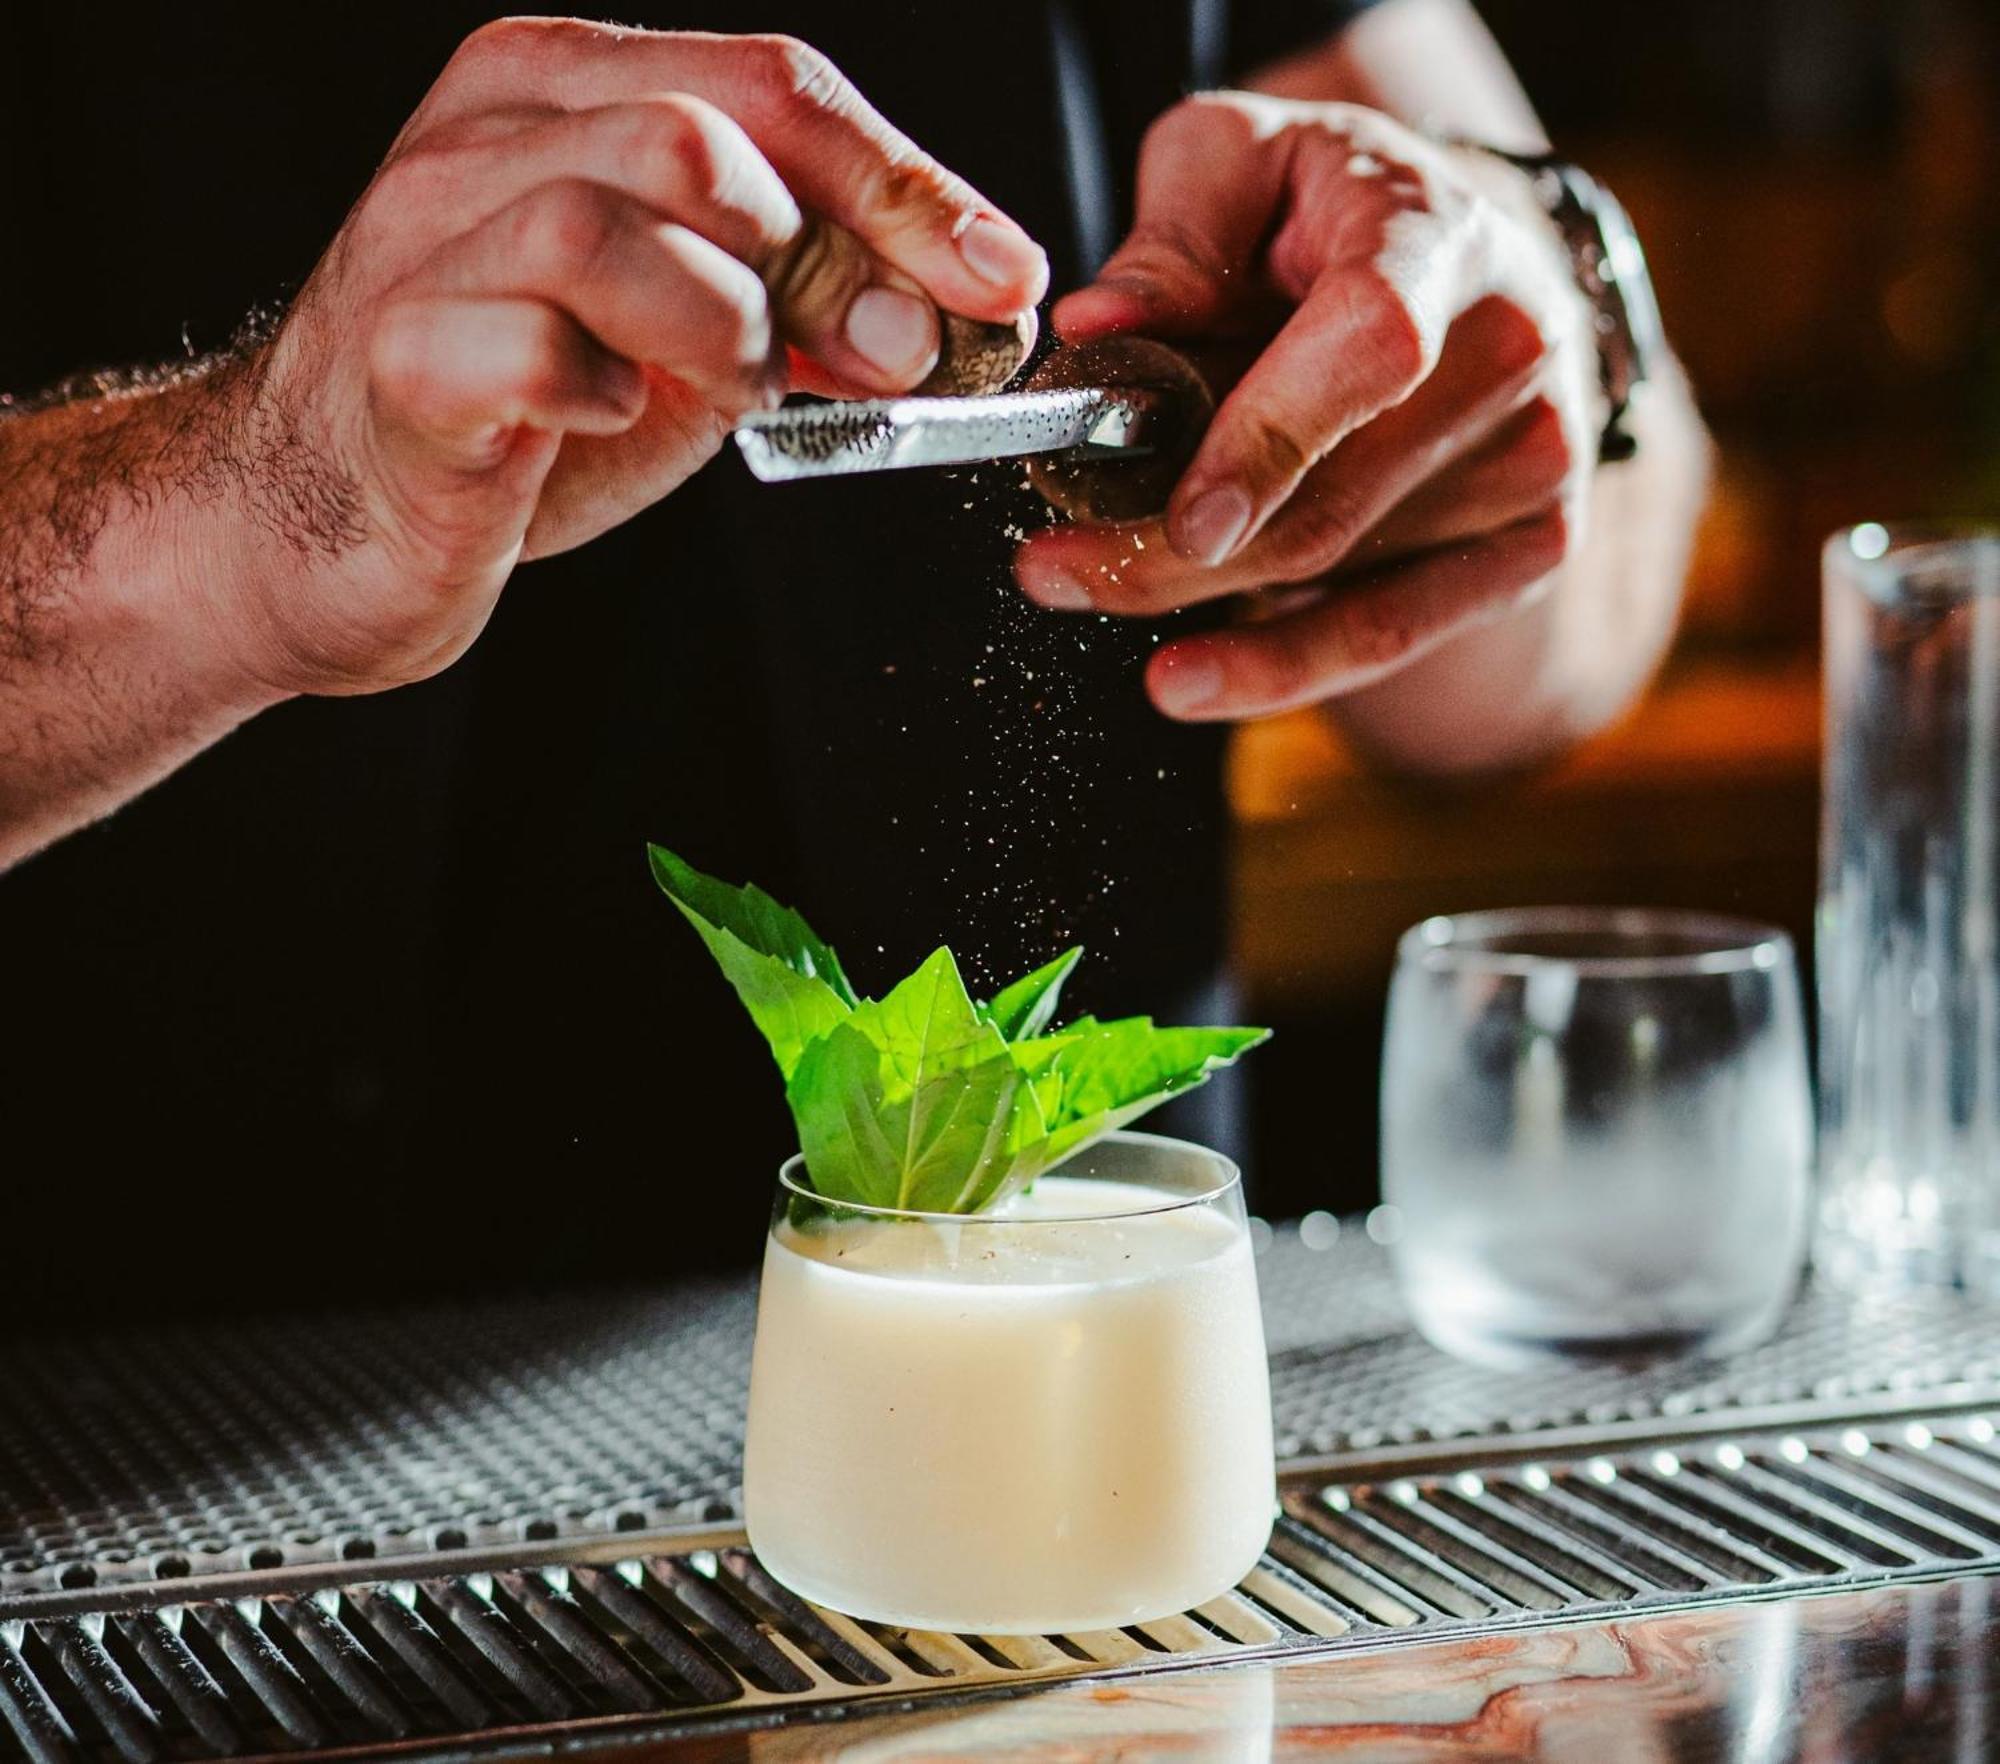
(1463, 941)
(1232, 1178)
(1876, 554)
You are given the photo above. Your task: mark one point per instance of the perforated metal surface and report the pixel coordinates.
(1349, 1374)
(159, 1453)
(200, 1449)
(667, 1638)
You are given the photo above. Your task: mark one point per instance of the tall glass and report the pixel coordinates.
(1596, 1127)
(1909, 962)
(1052, 1417)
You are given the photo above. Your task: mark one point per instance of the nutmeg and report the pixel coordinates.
(975, 357)
(1135, 488)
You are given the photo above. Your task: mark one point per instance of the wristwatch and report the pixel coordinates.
(1611, 269)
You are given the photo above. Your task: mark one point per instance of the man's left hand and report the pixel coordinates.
(1408, 456)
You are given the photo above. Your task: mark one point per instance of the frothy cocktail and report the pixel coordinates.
(1052, 1417)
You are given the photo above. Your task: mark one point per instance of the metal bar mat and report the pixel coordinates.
(156, 1454)
(685, 1635)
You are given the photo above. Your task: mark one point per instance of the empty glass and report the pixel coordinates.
(1597, 1128)
(1909, 954)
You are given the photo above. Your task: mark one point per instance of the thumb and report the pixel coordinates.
(1211, 177)
(868, 324)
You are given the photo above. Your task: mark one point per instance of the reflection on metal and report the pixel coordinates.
(685, 1631)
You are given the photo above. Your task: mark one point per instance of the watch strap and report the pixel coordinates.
(1610, 267)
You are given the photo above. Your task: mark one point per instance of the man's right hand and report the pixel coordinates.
(588, 254)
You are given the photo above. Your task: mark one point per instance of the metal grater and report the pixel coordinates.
(886, 434)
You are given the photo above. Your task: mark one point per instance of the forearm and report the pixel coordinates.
(110, 675)
(1429, 63)
(1513, 694)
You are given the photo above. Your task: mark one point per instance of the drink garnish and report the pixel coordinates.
(928, 1100)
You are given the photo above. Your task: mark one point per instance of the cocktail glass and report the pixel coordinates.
(1051, 1417)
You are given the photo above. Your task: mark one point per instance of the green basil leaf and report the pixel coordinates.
(926, 1101)
(836, 1100)
(909, 1103)
(1024, 1009)
(928, 1023)
(790, 982)
(1108, 1074)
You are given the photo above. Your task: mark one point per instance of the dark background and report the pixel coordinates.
(377, 995)
(1816, 181)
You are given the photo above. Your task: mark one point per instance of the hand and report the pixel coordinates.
(1407, 456)
(588, 254)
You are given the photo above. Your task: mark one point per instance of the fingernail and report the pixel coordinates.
(1002, 256)
(894, 332)
(1213, 524)
(1188, 684)
(1059, 589)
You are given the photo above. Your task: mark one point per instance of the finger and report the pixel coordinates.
(1352, 636)
(1490, 360)
(468, 129)
(1355, 347)
(803, 374)
(1119, 567)
(463, 376)
(835, 152)
(647, 289)
(1208, 185)
(1522, 467)
(692, 163)
(677, 154)
(599, 481)
(868, 325)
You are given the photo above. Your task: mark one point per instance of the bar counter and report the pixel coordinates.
(1896, 1673)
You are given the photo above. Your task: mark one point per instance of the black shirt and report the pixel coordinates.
(380, 989)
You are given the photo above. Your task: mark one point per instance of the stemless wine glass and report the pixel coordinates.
(1597, 1127)
(1053, 1417)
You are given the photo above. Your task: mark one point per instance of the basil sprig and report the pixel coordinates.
(928, 1100)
